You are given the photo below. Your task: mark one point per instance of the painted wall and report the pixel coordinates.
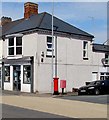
(71, 65)
(97, 64)
(29, 48)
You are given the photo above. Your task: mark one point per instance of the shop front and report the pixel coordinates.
(0, 73)
(18, 75)
(0, 77)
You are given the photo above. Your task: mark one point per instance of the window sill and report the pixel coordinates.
(14, 56)
(50, 56)
(7, 81)
(85, 58)
(26, 83)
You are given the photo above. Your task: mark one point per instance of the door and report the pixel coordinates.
(94, 76)
(17, 77)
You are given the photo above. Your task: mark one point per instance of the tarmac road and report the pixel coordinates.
(16, 113)
(100, 99)
(9, 111)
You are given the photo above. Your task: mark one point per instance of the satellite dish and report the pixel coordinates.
(105, 62)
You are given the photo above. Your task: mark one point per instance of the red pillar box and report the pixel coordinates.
(56, 86)
(62, 85)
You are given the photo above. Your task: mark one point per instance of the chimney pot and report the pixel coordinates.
(5, 20)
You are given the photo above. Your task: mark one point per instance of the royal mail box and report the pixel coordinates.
(56, 86)
(62, 83)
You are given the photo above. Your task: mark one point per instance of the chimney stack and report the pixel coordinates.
(30, 9)
(5, 20)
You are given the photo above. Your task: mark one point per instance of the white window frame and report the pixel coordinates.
(15, 47)
(107, 59)
(85, 50)
(9, 46)
(9, 74)
(95, 73)
(26, 82)
(49, 50)
(104, 75)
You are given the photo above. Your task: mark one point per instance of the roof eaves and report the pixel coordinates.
(69, 33)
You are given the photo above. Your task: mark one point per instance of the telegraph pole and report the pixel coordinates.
(52, 47)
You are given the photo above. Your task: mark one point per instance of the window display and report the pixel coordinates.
(7, 73)
(0, 76)
(27, 74)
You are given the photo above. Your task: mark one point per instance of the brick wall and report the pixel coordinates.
(30, 9)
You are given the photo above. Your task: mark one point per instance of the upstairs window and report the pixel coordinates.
(15, 46)
(49, 47)
(11, 46)
(18, 45)
(104, 76)
(107, 59)
(85, 50)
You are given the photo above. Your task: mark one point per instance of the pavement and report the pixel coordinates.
(48, 104)
(6, 92)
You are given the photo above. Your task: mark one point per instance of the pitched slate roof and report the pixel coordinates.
(41, 21)
(100, 48)
(9, 26)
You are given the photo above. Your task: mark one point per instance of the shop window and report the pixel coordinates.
(0, 73)
(0, 76)
(15, 46)
(26, 74)
(85, 50)
(49, 47)
(7, 73)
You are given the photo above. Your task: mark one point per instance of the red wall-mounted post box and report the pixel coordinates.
(62, 83)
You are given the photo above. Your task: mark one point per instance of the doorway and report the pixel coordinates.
(17, 77)
(94, 76)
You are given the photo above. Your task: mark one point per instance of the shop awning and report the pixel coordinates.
(24, 59)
